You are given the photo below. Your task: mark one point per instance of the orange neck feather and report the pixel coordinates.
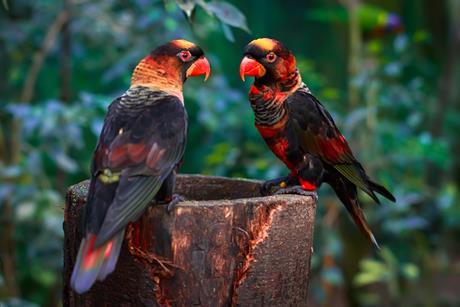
(162, 73)
(286, 68)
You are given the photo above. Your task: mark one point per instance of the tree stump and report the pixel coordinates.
(225, 246)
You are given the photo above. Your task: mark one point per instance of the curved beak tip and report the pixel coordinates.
(206, 68)
(199, 67)
(242, 73)
(252, 68)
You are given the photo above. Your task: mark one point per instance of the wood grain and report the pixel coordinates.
(226, 246)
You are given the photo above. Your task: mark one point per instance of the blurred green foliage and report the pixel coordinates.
(403, 126)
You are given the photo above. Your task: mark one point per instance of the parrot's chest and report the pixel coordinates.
(273, 131)
(268, 107)
(279, 147)
(280, 142)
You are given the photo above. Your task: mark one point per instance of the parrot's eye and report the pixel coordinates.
(271, 57)
(185, 55)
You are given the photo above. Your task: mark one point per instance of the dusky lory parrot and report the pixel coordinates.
(139, 150)
(301, 132)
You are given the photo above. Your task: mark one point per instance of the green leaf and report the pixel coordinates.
(5, 5)
(372, 271)
(228, 32)
(187, 6)
(227, 13)
(410, 271)
(363, 279)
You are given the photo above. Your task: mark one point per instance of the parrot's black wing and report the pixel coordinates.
(318, 135)
(143, 139)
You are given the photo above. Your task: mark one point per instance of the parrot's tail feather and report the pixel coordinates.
(357, 214)
(347, 193)
(95, 263)
(110, 263)
(382, 190)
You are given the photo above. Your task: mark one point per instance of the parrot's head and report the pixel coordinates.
(170, 65)
(267, 60)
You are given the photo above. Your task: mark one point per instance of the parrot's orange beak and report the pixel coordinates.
(199, 67)
(252, 68)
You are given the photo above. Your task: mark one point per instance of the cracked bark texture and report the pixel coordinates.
(227, 246)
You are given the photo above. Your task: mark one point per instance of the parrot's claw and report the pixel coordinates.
(176, 198)
(297, 190)
(277, 183)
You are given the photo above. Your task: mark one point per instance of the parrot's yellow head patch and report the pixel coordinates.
(182, 43)
(265, 44)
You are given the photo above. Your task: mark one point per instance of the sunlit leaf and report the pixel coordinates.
(187, 6)
(228, 14)
(410, 271)
(372, 271)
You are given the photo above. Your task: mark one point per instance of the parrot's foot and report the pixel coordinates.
(275, 184)
(175, 199)
(297, 190)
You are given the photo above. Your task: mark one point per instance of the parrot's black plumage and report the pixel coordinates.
(301, 132)
(140, 147)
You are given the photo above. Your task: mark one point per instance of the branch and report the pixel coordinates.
(39, 57)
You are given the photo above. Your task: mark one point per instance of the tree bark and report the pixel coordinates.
(224, 246)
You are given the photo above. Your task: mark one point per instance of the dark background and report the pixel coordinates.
(387, 70)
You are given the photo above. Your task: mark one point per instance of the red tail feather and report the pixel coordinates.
(95, 263)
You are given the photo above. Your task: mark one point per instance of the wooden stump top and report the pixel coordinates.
(225, 246)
